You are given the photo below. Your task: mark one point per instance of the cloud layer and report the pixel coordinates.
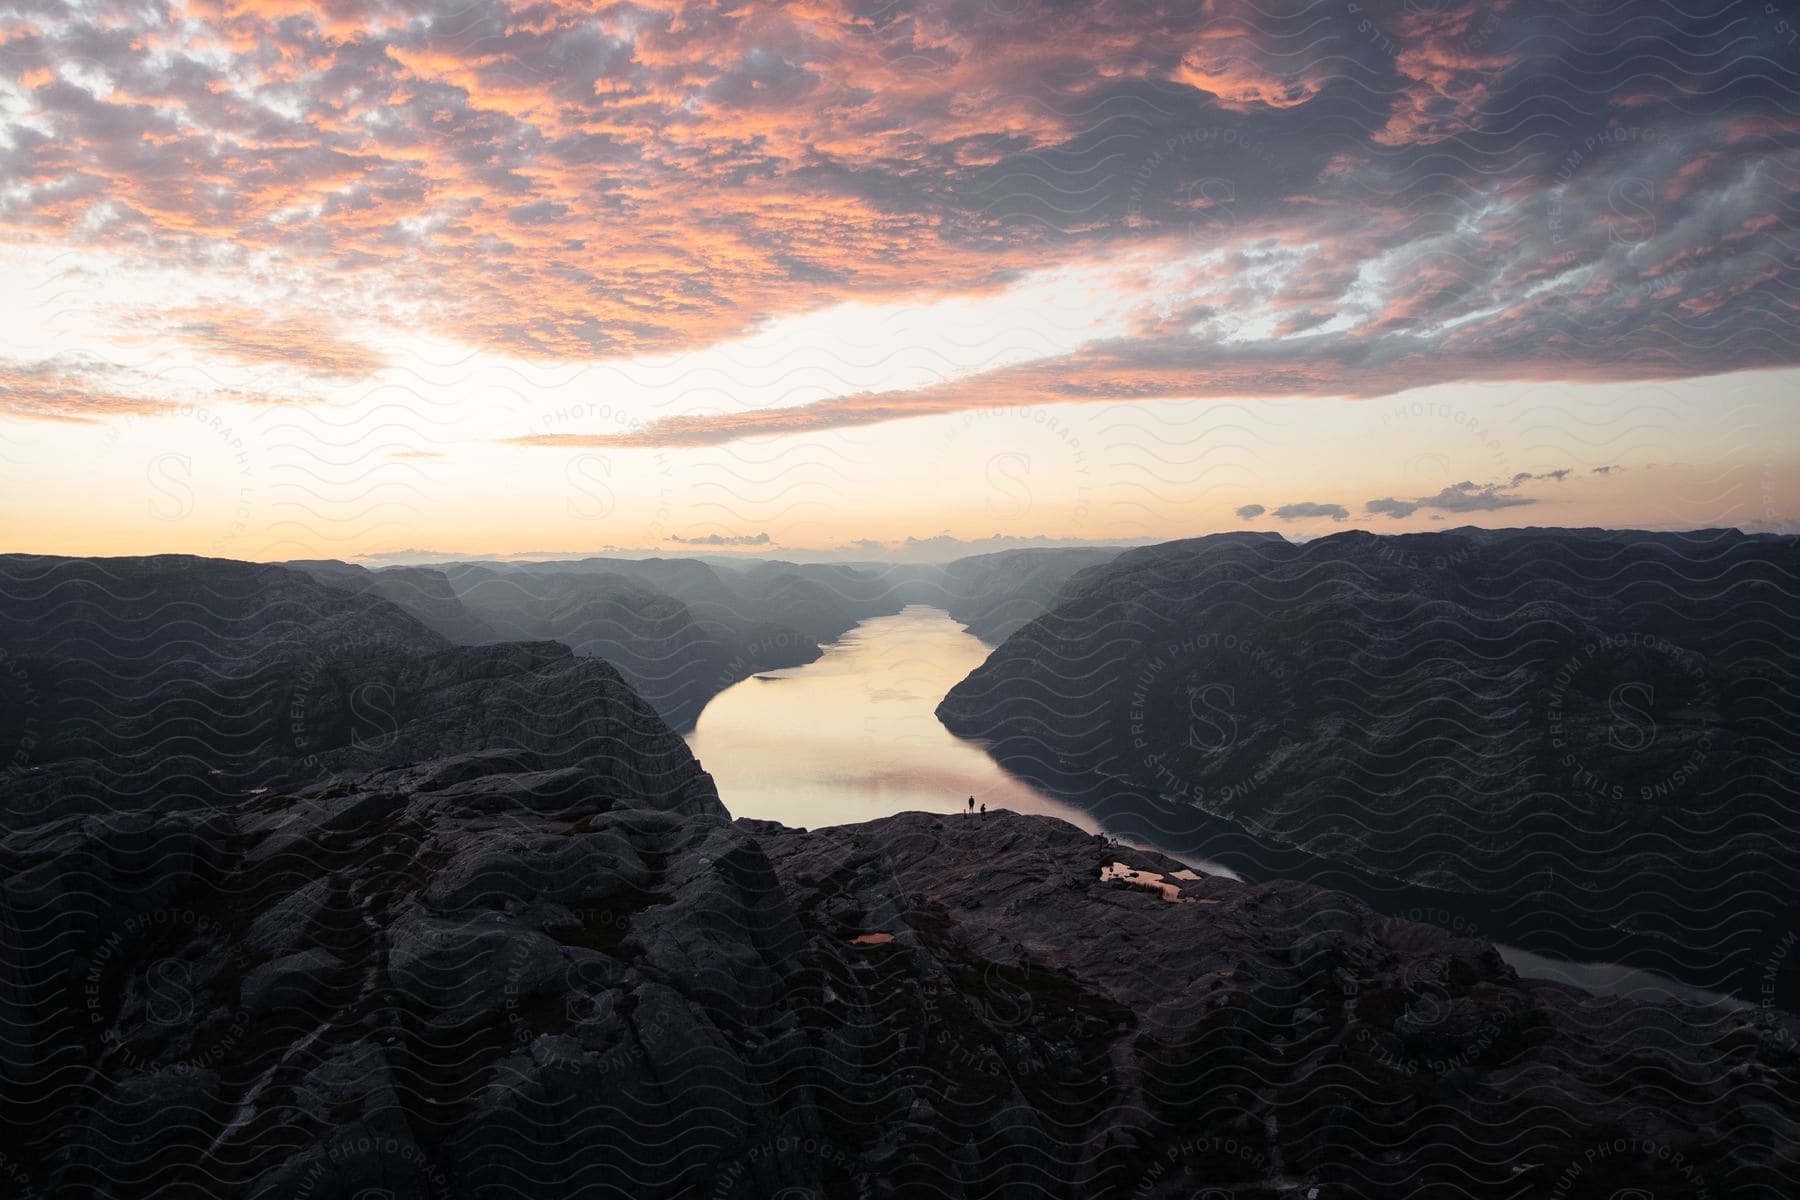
(1464, 497)
(1302, 199)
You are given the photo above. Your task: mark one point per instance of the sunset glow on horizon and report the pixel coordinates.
(496, 277)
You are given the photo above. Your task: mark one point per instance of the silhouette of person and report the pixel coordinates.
(984, 810)
(971, 804)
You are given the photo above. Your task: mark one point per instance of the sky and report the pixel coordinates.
(893, 278)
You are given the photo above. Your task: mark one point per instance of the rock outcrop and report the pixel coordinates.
(173, 681)
(1588, 734)
(483, 976)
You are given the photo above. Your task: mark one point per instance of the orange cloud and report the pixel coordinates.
(263, 339)
(73, 392)
(1225, 68)
(574, 180)
(1448, 78)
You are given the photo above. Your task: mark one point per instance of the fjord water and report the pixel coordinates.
(854, 736)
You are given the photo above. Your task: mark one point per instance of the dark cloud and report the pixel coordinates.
(1472, 497)
(1250, 512)
(1469, 496)
(718, 539)
(1306, 508)
(1465, 497)
(1391, 507)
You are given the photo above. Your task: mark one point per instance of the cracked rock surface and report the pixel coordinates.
(483, 975)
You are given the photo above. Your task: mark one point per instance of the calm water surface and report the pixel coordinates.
(854, 736)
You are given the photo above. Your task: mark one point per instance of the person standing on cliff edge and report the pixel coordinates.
(971, 804)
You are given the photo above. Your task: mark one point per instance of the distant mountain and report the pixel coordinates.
(1588, 734)
(180, 681)
(675, 661)
(681, 630)
(996, 594)
(480, 976)
(421, 591)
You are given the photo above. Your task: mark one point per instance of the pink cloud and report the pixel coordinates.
(566, 180)
(72, 392)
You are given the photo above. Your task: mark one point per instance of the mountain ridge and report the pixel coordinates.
(1585, 729)
(183, 681)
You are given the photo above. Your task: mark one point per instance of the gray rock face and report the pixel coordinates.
(181, 682)
(479, 976)
(1585, 735)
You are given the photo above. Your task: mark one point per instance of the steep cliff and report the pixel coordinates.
(178, 682)
(1590, 732)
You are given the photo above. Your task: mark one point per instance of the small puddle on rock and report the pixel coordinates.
(1153, 881)
(871, 939)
